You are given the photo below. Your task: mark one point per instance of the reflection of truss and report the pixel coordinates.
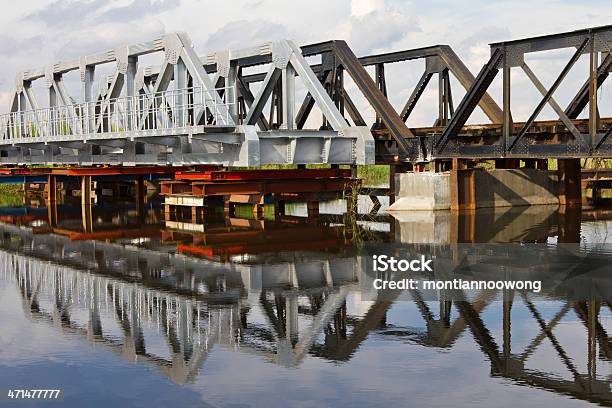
(193, 305)
(510, 364)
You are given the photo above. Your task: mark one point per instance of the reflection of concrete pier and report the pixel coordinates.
(512, 224)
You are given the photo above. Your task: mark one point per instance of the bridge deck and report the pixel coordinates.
(554, 130)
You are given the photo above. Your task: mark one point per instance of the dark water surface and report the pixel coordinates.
(129, 309)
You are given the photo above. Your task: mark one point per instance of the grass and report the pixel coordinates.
(11, 195)
(374, 175)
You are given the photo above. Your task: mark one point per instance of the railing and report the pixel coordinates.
(161, 111)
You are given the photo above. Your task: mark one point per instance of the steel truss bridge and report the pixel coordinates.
(131, 300)
(240, 107)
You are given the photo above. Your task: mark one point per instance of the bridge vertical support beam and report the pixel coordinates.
(507, 310)
(288, 85)
(507, 112)
(87, 77)
(140, 194)
(382, 86)
(570, 190)
(568, 225)
(439, 165)
(593, 313)
(52, 199)
(279, 207)
(291, 304)
(130, 87)
(86, 210)
(231, 93)
(462, 186)
(593, 74)
(180, 83)
(22, 108)
(443, 100)
(445, 311)
(52, 104)
(542, 164)
(312, 208)
(596, 196)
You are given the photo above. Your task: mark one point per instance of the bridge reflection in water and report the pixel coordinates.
(166, 298)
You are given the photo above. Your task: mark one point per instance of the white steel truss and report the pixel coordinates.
(183, 111)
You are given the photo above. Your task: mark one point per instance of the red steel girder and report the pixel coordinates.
(243, 175)
(238, 249)
(147, 231)
(271, 186)
(113, 171)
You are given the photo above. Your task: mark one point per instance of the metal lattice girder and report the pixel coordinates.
(581, 99)
(471, 98)
(373, 94)
(511, 54)
(547, 96)
(177, 114)
(188, 107)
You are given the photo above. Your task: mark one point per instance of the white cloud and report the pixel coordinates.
(360, 8)
(374, 25)
(233, 34)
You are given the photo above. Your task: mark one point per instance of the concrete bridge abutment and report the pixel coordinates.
(465, 188)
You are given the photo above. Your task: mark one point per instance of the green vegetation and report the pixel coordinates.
(374, 175)
(11, 195)
(246, 211)
(596, 163)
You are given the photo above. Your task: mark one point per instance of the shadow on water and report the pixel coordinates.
(291, 291)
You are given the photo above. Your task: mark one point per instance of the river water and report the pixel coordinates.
(133, 310)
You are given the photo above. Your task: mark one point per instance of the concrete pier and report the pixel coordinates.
(479, 188)
(422, 192)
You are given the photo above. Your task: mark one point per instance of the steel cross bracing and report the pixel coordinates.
(214, 109)
(567, 137)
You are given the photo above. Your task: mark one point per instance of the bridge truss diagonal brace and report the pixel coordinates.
(113, 91)
(374, 95)
(553, 103)
(258, 104)
(316, 89)
(288, 62)
(23, 96)
(547, 96)
(200, 77)
(472, 97)
(466, 79)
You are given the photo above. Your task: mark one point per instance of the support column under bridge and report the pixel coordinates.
(464, 188)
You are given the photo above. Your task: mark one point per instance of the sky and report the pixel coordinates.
(36, 33)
